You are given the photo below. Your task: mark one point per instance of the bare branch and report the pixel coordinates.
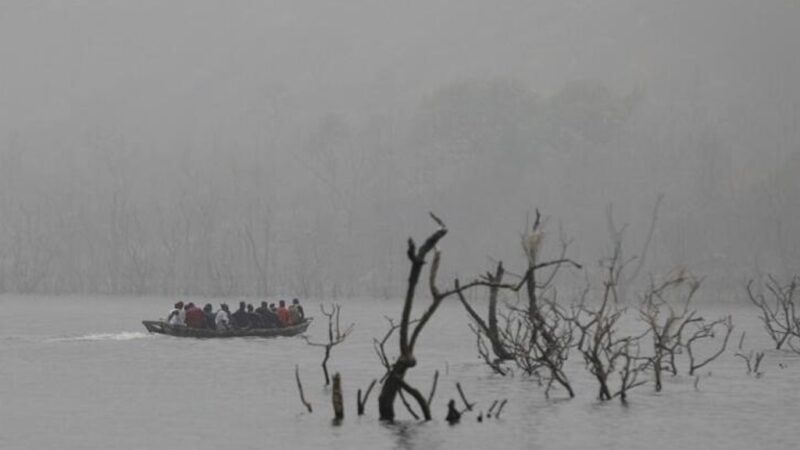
(467, 404)
(707, 331)
(433, 388)
(361, 402)
(300, 388)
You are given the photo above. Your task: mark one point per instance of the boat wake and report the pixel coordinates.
(123, 336)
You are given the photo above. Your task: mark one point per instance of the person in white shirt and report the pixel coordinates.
(177, 316)
(223, 318)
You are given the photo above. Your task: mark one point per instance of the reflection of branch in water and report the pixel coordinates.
(406, 435)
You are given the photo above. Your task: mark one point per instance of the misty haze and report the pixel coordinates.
(610, 192)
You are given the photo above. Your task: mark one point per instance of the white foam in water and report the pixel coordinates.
(124, 336)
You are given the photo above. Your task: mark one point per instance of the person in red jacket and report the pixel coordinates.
(195, 317)
(283, 313)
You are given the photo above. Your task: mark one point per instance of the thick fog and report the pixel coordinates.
(229, 148)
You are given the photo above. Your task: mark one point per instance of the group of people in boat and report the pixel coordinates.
(246, 317)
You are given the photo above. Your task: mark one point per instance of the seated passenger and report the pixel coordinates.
(239, 318)
(264, 315)
(208, 311)
(270, 316)
(195, 317)
(296, 313)
(253, 318)
(283, 314)
(222, 320)
(177, 316)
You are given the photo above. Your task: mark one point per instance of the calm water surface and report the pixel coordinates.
(81, 373)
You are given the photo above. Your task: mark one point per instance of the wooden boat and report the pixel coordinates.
(161, 327)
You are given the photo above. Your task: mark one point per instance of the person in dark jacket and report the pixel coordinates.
(239, 318)
(208, 310)
(267, 318)
(253, 318)
(272, 316)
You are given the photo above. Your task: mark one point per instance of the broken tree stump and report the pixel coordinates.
(338, 403)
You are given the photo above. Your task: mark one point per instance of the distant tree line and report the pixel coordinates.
(311, 204)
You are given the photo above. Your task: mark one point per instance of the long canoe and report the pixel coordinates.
(161, 327)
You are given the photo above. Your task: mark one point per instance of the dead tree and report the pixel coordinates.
(706, 331)
(489, 328)
(752, 358)
(541, 347)
(606, 354)
(617, 237)
(361, 402)
(603, 351)
(539, 334)
(394, 383)
(335, 336)
(779, 315)
(336, 398)
(673, 295)
(535, 336)
(675, 327)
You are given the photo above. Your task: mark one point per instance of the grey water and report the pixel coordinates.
(82, 373)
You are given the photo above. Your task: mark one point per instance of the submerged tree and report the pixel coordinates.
(707, 330)
(604, 352)
(394, 383)
(676, 327)
(617, 238)
(489, 329)
(778, 315)
(335, 336)
(537, 334)
(673, 295)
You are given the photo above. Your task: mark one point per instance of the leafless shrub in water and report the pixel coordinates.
(536, 333)
(335, 336)
(604, 352)
(706, 330)
(778, 314)
(666, 311)
(752, 358)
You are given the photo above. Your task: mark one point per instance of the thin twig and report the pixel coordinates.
(433, 388)
(502, 404)
(408, 406)
(361, 402)
(467, 404)
(300, 387)
(491, 408)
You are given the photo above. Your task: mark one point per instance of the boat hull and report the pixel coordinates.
(157, 326)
